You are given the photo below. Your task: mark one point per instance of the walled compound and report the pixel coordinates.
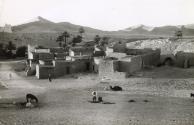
(179, 53)
(117, 62)
(119, 65)
(57, 62)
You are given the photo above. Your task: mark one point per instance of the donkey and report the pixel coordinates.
(30, 97)
(116, 88)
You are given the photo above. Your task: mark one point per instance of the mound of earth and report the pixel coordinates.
(2, 85)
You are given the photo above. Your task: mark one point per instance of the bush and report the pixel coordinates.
(21, 51)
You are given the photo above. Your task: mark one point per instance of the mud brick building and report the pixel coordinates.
(120, 66)
(58, 62)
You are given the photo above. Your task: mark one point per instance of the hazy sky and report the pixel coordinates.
(101, 14)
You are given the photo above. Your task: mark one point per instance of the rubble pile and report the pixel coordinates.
(187, 47)
(166, 46)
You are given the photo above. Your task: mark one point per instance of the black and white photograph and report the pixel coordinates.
(96, 62)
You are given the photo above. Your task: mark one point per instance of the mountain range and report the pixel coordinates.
(42, 25)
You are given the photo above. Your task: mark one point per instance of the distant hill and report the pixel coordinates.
(190, 26)
(44, 32)
(159, 31)
(41, 25)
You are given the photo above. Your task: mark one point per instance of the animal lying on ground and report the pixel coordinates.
(116, 88)
(31, 98)
(192, 95)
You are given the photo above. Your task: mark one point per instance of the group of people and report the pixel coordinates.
(96, 98)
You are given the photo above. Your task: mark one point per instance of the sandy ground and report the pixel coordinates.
(67, 101)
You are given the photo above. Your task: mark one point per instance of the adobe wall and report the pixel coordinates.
(136, 64)
(184, 59)
(164, 57)
(152, 58)
(149, 56)
(60, 67)
(43, 72)
(108, 69)
(81, 66)
(124, 66)
(63, 67)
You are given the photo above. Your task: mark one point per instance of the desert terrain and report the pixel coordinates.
(162, 99)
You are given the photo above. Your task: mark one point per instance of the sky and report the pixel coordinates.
(100, 14)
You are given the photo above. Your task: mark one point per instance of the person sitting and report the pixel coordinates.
(100, 99)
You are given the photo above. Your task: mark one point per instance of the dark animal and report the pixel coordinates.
(100, 99)
(116, 88)
(31, 98)
(192, 95)
(131, 100)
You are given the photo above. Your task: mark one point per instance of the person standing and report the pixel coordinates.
(94, 94)
(49, 77)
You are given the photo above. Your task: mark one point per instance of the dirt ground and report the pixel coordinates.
(66, 101)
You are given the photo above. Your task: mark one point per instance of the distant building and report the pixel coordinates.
(7, 28)
(102, 60)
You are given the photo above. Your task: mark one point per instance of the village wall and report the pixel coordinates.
(136, 64)
(152, 58)
(184, 60)
(109, 69)
(84, 65)
(62, 67)
(124, 66)
(167, 56)
(42, 72)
